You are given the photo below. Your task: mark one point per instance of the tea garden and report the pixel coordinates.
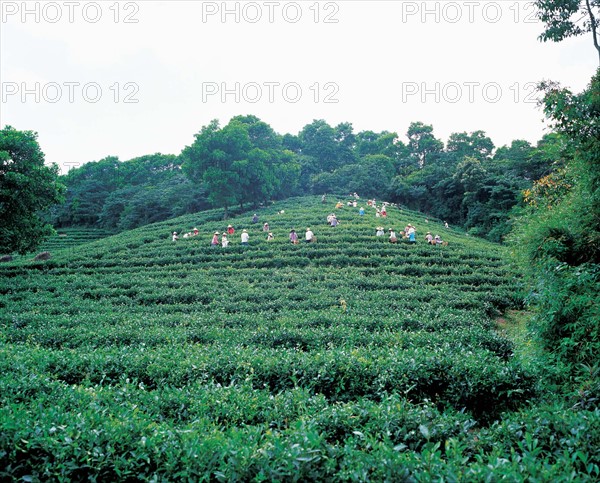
(350, 359)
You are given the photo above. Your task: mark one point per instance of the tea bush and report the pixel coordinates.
(133, 357)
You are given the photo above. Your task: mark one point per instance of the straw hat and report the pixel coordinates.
(216, 232)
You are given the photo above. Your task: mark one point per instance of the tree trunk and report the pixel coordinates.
(593, 27)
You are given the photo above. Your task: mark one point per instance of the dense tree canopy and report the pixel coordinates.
(27, 187)
(468, 183)
(119, 195)
(243, 162)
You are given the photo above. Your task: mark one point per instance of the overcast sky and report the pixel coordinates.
(133, 78)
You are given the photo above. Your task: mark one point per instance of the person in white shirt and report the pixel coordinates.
(309, 235)
(245, 237)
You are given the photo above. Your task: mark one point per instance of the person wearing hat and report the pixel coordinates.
(255, 218)
(393, 238)
(224, 241)
(293, 236)
(245, 237)
(215, 239)
(266, 227)
(309, 236)
(270, 236)
(230, 230)
(380, 231)
(429, 238)
(412, 235)
(195, 230)
(175, 237)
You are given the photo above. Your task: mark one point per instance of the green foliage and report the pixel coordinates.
(569, 18)
(475, 145)
(422, 143)
(27, 187)
(569, 303)
(246, 162)
(115, 195)
(559, 236)
(133, 357)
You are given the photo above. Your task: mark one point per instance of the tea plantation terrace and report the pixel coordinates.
(133, 356)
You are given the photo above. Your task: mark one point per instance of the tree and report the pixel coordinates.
(240, 163)
(210, 159)
(88, 188)
(27, 187)
(559, 234)
(569, 18)
(319, 142)
(475, 145)
(346, 142)
(423, 145)
(386, 143)
(110, 193)
(577, 117)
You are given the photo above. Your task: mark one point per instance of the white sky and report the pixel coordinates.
(458, 65)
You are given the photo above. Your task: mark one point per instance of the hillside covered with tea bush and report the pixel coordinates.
(348, 359)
